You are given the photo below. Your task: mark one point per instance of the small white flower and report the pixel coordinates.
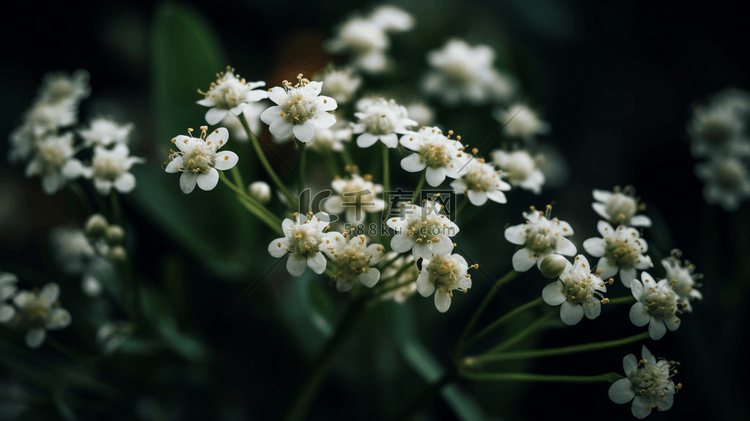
(438, 155)
(726, 182)
(331, 139)
(578, 290)
(366, 40)
(656, 306)
(299, 110)
(261, 191)
(462, 73)
(521, 121)
(302, 240)
(111, 335)
(252, 114)
(104, 132)
(716, 130)
(381, 120)
(52, 162)
(539, 237)
(355, 196)
(38, 312)
(520, 168)
(395, 274)
(230, 94)
(45, 118)
(648, 384)
(481, 182)
(339, 84)
(421, 113)
(423, 230)
(198, 159)
(110, 168)
(72, 249)
(620, 250)
(354, 259)
(8, 289)
(682, 279)
(442, 274)
(392, 18)
(619, 207)
(60, 87)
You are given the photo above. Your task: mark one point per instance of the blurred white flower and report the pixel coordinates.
(111, 335)
(656, 306)
(104, 131)
(59, 87)
(716, 129)
(339, 84)
(438, 155)
(333, 138)
(110, 168)
(481, 182)
(682, 279)
(423, 230)
(381, 120)
(727, 182)
(539, 237)
(521, 121)
(53, 161)
(228, 94)
(442, 274)
(355, 196)
(619, 207)
(302, 240)
(421, 113)
(392, 18)
(520, 168)
(252, 112)
(45, 118)
(648, 384)
(8, 289)
(39, 311)
(398, 274)
(261, 191)
(578, 290)
(299, 110)
(353, 258)
(78, 254)
(198, 159)
(462, 73)
(621, 250)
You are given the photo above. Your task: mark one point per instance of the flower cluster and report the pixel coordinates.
(578, 290)
(381, 120)
(520, 121)
(481, 181)
(520, 169)
(230, 93)
(354, 259)
(438, 155)
(354, 197)
(34, 311)
(539, 236)
(198, 159)
(303, 241)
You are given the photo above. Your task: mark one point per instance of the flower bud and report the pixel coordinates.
(115, 234)
(96, 225)
(553, 266)
(117, 254)
(261, 191)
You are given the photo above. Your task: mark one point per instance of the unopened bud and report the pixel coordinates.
(553, 266)
(117, 254)
(96, 226)
(115, 234)
(261, 191)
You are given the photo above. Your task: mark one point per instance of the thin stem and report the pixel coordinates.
(386, 169)
(267, 165)
(487, 298)
(115, 205)
(330, 158)
(418, 401)
(524, 333)
(302, 162)
(237, 175)
(324, 361)
(622, 300)
(347, 157)
(542, 378)
(497, 323)
(77, 190)
(420, 184)
(554, 352)
(251, 204)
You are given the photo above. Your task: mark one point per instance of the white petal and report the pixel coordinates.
(571, 314)
(497, 196)
(102, 186)
(188, 181)
(317, 263)
(477, 198)
(413, 163)
(226, 160)
(424, 286)
(50, 292)
(324, 120)
(296, 264)
(327, 103)
(271, 114)
(282, 129)
(344, 285)
(369, 278)
(173, 165)
(305, 131)
(627, 275)
(52, 182)
(601, 209)
(565, 247)
(390, 140)
(656, 329)
(215, 115)
(621, 391)
(277, 94)
(59, 318)
(672, 323)
(206, 102)
(601, 195)
(640, 408)
(376, 252)
(605, 229)
(218, 137)
(608, 270)
(516, 234)
(595, 246)
(630, 364)
(553, 294)
(74, 169)
(126, 183)
(592, 309)
(442, 301)
(640, 221)
(35, 337)
(401, 243)
(365, 140)
(434, 176)
(638, 315)
(523, 260)
(278, 247)
(443, 247)
(208, 181)
(6, 313)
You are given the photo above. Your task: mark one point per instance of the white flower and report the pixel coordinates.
(45, 118)
(111, 335)
(461, 73)
(423, 230)
(72, 249)
(682, 279)
(727, 182)
(230, 94)
(442, 274)
(198, 159)
(481, 182)
(656, 306)
(366, 40)
(339, 84)
(539, 237)
(331, 139)
(252, 114)
(59, 87)
(396, 274)
(520, 168)
(620, 249)
(716, 130)
(356, 196)
(438, 155)
(38, 312)
(300, 110)
(381, 120)
(421, 113)
(392, 18)
(110, 168)
(619, 207)
(354, 259)
(51, 162)
(521, 121)
(8, 288)
(578, 290)
(302, 240)
(261, 191)
(648, 384)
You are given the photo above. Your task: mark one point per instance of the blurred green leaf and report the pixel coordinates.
(320, 300)
(179, 342)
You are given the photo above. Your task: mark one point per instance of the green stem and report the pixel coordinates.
(418, 401)
(116, 209)
(622, 300)
(237, 175)
(386, 169)
(302, 162)
(542, 378)
(267, 165)
(554, 352)
(77, 190)
(524, 333)
(464, 203)
(497, 323)
(347, 157)
(324, 361)
(487, 298)
(251, 204)
(330, 158)
(420, 184)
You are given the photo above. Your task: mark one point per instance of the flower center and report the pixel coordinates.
(305, 241)
(482, 179)
(108, 168)
(540, 238)
(379, 122)
(358, 194)
(622, 252)
(578, 290)
(230, 94)
(458, 72)
(35, 316)
(298, 109)
(199, 159)
(435, 155)
(653, 381)
(444, 272)
(52, 157)
(660, 303)
(715, 133)
(352, 263)
(426, 229)
(519, 167)
(729, 175)
(621, 207)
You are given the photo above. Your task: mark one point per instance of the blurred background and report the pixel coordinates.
(235, 333)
